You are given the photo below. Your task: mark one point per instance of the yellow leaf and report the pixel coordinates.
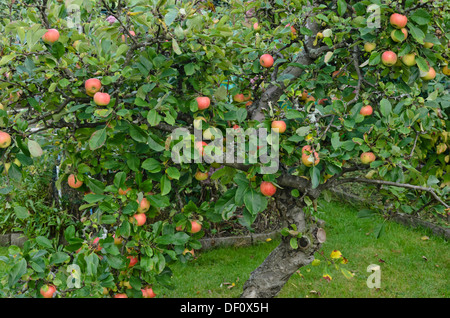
(424, 238)
(441, 148)
(327, 277)
(134, 13)
(315, 262)
(336, 254)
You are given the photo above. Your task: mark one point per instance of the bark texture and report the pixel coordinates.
(268, 279)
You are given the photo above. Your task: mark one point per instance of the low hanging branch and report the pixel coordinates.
(395, 184)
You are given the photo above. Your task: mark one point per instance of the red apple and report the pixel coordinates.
(369, 46)
(395, 39)
(47, 291)
(239, 98)
(123, 35)
(92, 86)
(293, 30)
(5, 139)
(200, 176)
(203, 102)
(367, 157)
(389, 58)
(123, 295)
(446, 70)
(95, 243)
(133, 260)
(398, 20)
(101, 99)
(281, 125)
(140, 218)
(409, 59)
(74, 182)
(267, 188)
(310, 159)
(144, 205)
(148, 292)
(266, 60)
(124, 192)
(366, 110)
(200, 145)
(51, 36)
(195, 226)
(117, 240)
(431, 74)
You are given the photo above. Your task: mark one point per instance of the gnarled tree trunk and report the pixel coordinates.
(268, 279)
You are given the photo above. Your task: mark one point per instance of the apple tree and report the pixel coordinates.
(357, 90)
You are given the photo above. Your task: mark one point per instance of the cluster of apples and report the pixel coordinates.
(390, 58)
(93, 86)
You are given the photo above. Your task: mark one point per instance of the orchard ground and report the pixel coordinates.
(412, 266)
(414, 263)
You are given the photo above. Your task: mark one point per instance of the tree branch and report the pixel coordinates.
(394, 184)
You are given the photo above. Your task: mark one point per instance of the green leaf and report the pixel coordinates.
(44, 242)
(34, 148)
(342, 7)
(347, 274)
(179, 238)
(133, 163)
(6, 190)
(153, 117)
(421, 17)
(166, 185)
(375, 58)
(151, 165)
(119, 179)
(21, 212)
(293, 242)
(422, 64)
(189, 69)
(170, 16)
(315, 177)
(116, 261)
(135, 282)
(7, 58)
(173, 173)
(379, 230)
(416, 33)
(254, 201)
(365, 213)
(138, 134)
(95, 186)
(19, 269)
(176, 47)
(154, 145)
(58, 258)
(97, 139)
(385, 107)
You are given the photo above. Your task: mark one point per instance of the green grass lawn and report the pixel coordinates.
(411, 267)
